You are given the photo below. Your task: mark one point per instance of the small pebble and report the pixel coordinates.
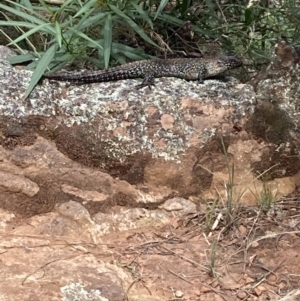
(178, 294)
(241, 295)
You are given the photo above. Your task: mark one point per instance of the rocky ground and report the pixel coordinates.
(187, 192)
(62, 255)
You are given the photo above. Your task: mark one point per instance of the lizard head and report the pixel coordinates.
(229, 62)
(217, 66)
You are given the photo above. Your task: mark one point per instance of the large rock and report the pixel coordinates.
(81, 164)
(179, 139)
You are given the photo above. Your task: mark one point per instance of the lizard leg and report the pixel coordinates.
(148, 81)
(201, 74)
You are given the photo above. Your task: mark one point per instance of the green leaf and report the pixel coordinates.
(134, 56)
(162, 5)
(46, 7)
(248, 16)
(211, 7)
(63, 57)
(86, 8)
(58, 66)
(206, 32)
(133, 53)
(132, 24)
(107, 33)
(21, 13)
(32, 65)
(171, 20)
(143, 14)
(92, 21)
(95, 61)
(27, 4)
(22, 58)
(30, 32)
(58, 33)
(41, 67)
(20, 7)
(184, 6)
(64, 6)
(17, 23)
(84, 36)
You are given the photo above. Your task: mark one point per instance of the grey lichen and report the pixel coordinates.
(118, 105)
(78, 292)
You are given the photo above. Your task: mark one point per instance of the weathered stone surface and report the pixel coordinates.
(179, 205)
(80, 164)
(17, 184)
(44, 269)
(294, 295)
(55, 256)
(161, 138)
(40, 176)
(167, 138)
(276, 116)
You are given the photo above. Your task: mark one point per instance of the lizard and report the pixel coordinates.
(184, 68)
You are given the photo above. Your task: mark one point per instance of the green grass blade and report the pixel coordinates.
(84, 36)
(27, 4)
(162, 5)
(184, 6)
(130, 52)
(17, 23)
(46, 7)
(56, 66)
(21, 14)
(85, 18)
(31, 12)
(143, 14)
(41, 67)
(92, 21)
(29, 33)
(58, 33)
(22, 58)
(170, 19)
(57, 61)
(132, 24)
(107, 33)
(65, 5)
(86, 8)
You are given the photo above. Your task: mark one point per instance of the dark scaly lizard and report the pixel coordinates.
(185, 68)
